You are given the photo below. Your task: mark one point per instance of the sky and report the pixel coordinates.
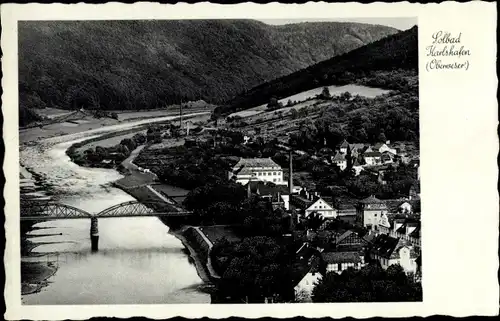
(401, 23)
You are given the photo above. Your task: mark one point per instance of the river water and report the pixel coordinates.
(138, 261)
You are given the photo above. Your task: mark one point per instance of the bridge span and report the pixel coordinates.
(47, 211)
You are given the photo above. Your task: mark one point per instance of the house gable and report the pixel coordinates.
(321, 205)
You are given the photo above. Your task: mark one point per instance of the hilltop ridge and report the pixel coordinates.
(123, 65)
(395, 52)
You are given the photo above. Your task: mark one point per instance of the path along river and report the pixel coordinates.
(138, 260)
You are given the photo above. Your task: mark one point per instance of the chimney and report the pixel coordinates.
(290, 175)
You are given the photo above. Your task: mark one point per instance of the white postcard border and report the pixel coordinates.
(459, 146)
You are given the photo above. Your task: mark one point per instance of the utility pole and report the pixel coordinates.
(180, 116)
(290, 173)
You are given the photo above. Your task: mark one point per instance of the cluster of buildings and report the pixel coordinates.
(364, 156)
(392, 237)
(393, 226)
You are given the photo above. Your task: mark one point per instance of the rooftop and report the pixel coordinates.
(372, 154)
(344, 144)
(257, 162)
(266, 188)
(384, 245)
(339, 157)
(341, 257)
(372, 200)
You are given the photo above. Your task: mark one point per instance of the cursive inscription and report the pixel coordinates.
(446, 51)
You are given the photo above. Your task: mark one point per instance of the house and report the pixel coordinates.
(414, 193)
(357, 167)
(386, 158)
(405, 207)
(259, 169)
(349, 241)
(343, 147)
(407, 229)
(341, 261)
(372, 158)
(388, 250)
(303, 290)
(384, 224)
(356, 149)
(340, 160)
(369, 211)
(321, 207)
(382, 147)
(277, 194)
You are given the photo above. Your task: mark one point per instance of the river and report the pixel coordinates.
(138, 261)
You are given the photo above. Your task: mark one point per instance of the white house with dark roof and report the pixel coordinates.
(369, 211)
(382, 147)
(341, 261)
(321, 207)
(343, 147)
(357, 167)
(389, 250)
(340, 160)
(372, 158)
(303, 289)
(257, 169)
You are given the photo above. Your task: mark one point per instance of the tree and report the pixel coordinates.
(255, 267)
(274, 104)
(325, 94)
(346, 96)
(294, 113)
(370, 284)
(314, 220)
(101, 151)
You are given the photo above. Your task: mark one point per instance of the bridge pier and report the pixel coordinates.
(94, 233)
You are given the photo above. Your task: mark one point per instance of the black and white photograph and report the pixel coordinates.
(219, 161)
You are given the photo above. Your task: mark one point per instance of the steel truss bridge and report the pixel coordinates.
(47, 210)
(43, 210)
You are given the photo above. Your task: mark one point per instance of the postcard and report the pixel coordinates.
(319, 160)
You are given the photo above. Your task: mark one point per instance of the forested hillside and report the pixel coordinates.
(118, 65)
(364, 65)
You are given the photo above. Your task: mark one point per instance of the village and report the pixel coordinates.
(351, 235)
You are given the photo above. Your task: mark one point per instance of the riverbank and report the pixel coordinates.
(198, 261)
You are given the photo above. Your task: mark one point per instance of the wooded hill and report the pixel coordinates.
(395, 52)
(123, 65)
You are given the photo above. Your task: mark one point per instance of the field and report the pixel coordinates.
(300, 100)
(53, 112)
(215, 232)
